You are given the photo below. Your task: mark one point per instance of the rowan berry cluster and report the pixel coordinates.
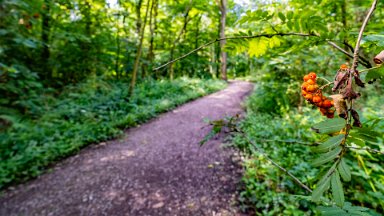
(313, 94)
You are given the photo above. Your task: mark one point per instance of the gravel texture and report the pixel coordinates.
(157, 168)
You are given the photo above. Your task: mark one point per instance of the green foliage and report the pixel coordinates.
(289, 140)
(90, 112)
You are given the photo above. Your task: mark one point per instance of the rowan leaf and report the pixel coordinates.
(344, 170)
(320, 189)
(329, 126)
(329, 144)
(329, 156)
(337, 189)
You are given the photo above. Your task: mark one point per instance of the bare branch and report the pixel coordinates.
(276, 164)
(364, 62)
(357, 47)
(231, 38)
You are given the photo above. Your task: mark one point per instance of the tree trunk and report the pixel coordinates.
(152, 23)
(138, 17)
(197, 34)
(138, 53)
(183, 30)
(223, 54)
(118, 43)
(45, 53)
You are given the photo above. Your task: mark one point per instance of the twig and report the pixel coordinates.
(232, 38)
(367, 149)
(277, 165)
(368, 69)
(357, 47)
(324, 79)
(362, 61)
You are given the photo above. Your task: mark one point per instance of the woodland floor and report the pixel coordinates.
(157, 168)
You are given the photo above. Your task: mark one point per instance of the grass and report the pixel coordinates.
(91, 112)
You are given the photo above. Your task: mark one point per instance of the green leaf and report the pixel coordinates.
(344, 170)
(329, 126)
(281, 16)
(329, 144)
(375, 74)
(337, 189)
(320, 189)
(324, 158)
(331, 210)
(289, 14)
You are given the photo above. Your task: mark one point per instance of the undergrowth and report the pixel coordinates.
(90, 112)
(284, 136)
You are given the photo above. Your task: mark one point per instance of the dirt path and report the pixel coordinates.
(156, 169)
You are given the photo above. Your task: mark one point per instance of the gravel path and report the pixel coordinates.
(157, 168)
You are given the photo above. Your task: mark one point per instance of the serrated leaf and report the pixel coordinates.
(329, 126)
(329, 144)
(344, 170)
(320, 189)
(337, 189)
(329, 156)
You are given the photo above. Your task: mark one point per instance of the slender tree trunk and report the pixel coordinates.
(118, 43)
(176, 41)
(223, 55)
(45, 53)
(138, 17)
(138, 54)
(197, 32)
(150, 55)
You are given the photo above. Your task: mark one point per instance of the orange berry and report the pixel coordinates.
(304, 86)
(331, 111)
(306, 77)
(304, 93)
(312, 75)
(316, 99)
(323, 98)
(327, 104)
(311, 82)
(308, 97)
(319, 104)
(323, 111)
(332, 102)
(343, 67)
(311, 88)
(330, 115)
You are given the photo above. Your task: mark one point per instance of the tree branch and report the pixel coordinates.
(231, 38)
(357, 47)
(276, 164)
(363, 62)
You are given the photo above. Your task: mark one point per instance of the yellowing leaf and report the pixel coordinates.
(258, 46)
